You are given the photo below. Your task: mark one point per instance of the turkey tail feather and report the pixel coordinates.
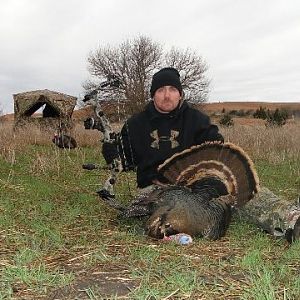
(226, 162)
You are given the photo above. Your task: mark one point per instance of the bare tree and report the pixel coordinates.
(192, 70)
(134, 62)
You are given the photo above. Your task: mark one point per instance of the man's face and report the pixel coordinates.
(166, 98)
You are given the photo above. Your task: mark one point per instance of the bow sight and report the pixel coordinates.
(91, 98)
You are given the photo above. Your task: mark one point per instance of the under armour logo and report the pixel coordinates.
(172, 138)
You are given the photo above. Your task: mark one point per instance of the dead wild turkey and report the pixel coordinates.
(205, 182)
(181, 210)
(64, 141)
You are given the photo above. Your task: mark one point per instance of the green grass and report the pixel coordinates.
(54, 230)
(283, 178)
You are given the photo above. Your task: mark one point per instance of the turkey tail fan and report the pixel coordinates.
(225, 162)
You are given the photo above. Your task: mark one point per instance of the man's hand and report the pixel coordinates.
(109, 152)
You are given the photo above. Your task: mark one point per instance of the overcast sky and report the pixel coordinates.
(252, 47)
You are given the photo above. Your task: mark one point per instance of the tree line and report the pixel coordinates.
(278, 117)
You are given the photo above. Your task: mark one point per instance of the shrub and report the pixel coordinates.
(278, 118)
(261, 113)
(226, 120)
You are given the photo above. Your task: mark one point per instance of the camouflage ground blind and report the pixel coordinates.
(58, 108)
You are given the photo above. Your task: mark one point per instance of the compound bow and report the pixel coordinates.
(101, 123)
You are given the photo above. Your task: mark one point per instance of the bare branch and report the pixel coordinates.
(134, 62)
(192, 68)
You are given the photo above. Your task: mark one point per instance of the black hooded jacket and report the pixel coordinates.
(150, 137)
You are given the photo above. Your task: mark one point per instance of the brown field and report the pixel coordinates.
(248, 132)
(271, 144)
(228, 106)
(260, 142)
(209, 108)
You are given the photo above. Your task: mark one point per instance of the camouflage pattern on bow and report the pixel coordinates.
(101, 123)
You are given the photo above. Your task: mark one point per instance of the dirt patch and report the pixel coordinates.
(96, 283)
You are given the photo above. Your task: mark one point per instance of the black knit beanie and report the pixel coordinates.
(166, 76)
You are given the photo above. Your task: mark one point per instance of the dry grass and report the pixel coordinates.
(271, 144)
(11, 141)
